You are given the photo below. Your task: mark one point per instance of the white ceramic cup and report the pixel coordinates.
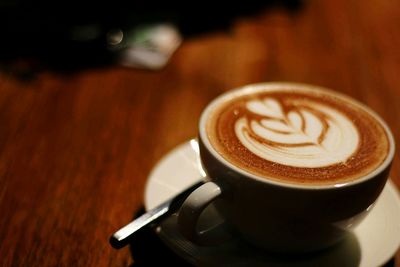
(278, 216)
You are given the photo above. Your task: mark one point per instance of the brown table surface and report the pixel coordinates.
(76, 148)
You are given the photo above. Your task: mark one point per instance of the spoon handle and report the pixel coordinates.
(123, 236)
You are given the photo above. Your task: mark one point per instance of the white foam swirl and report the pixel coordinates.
(310, 135)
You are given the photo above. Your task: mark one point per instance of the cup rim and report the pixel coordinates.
(243, 90)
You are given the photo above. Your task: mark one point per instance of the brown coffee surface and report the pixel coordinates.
(298, 136)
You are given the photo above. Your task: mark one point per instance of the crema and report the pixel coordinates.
(297, 134)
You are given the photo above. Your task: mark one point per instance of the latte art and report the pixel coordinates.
(308, 135)
(296, 134)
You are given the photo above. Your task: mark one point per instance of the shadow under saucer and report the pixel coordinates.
(237, 252)
(147, 249)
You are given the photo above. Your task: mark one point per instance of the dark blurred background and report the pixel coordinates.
(68, 35)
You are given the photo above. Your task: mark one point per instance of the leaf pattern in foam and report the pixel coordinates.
(295, 138)
(268, 107)
(302, 125)
(295, 120)
(278, 137)
(313, 125)
(276, 125)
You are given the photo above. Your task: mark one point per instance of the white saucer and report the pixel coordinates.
(374, 242)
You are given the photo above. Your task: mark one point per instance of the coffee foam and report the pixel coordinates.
(299, 136)
(309, 135)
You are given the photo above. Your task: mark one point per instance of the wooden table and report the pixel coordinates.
(76, 148)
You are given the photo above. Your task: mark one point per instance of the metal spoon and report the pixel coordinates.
(123, 236)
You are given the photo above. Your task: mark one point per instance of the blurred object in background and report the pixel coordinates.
(146, 46)
(65, 35)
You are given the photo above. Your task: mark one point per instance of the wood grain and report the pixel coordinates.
(76, 149)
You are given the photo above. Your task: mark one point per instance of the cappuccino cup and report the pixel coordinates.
(291, 168)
